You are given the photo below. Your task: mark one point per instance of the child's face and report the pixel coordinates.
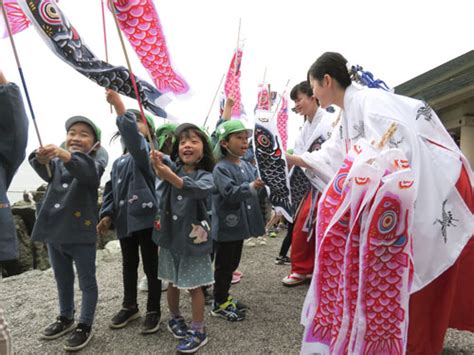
(190, 148)
(80, 138)
(238, 143)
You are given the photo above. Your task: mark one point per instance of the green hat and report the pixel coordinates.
(224, 130)
(163, 132)
(76, 119)
(148, 117)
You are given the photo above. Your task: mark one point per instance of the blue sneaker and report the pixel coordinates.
(228, 311)
(177, 327)
(242, 308)
(194, 340)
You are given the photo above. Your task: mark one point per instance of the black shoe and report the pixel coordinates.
(282, 260)
(151, 324)
(123, 317)
(62, 326)
(79, 338)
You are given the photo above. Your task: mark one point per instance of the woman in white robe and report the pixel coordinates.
(443, 285)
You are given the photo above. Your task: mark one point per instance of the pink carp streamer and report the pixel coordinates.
(263, 101)
(364, 270)
(139, 21)
(282, 121)
(16, 17)
(232, 82)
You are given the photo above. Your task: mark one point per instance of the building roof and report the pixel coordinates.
(450, 77)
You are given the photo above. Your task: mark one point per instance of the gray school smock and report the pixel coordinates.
(129, 197)
(179, 209)
(68, 212)
(236, 213)
(14, 136)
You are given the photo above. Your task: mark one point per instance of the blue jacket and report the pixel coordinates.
(179, 209)
(236, 213)
(14, 136)
(68, 212)
(129, 197)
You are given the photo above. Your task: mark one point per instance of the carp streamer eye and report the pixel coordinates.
(50, 14)
(387, 221)
(263, 141)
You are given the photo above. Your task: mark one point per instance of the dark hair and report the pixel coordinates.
(207, 161)
(303, 88)
(333, 64)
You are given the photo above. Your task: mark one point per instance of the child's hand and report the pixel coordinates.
(48, 152)
(104, 225)
(227, 114)
(163, 171)
(156, 156)
(114, 99)
(229, 102)
(3, 79)
(258, 183)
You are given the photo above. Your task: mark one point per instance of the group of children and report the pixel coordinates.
(159, 200)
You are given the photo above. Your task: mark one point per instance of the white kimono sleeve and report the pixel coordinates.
(325, 162)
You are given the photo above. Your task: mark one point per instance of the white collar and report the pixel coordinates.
(349, 94)
(317, 117)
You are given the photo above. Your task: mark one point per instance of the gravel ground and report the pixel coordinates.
(271, 326)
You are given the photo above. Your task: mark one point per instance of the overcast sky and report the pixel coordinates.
(396, 40)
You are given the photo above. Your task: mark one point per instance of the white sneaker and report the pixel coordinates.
(261, 241)
(143, 285)
(250, 242)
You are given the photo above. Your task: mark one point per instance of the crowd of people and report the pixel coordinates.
(186, 200)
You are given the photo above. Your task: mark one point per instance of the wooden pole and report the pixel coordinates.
(132, 76)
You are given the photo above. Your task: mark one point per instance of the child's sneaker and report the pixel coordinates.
(79, 338)
(227, 310)
(242, 308)
(282, 260)
(193, 341)
(123, 317)
(250, 242)
(236, 276)
(62, 326)
(261, 241)
(151, 324)
(177, 326)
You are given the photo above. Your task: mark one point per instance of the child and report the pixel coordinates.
(130, 205)
(181, 230)
(66, 222)
(164, 138)
(14, 133)
(236, 213)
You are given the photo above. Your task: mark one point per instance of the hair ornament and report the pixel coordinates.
(366, 78)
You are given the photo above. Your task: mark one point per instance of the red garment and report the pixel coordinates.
(448, 301)
(303, 251)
